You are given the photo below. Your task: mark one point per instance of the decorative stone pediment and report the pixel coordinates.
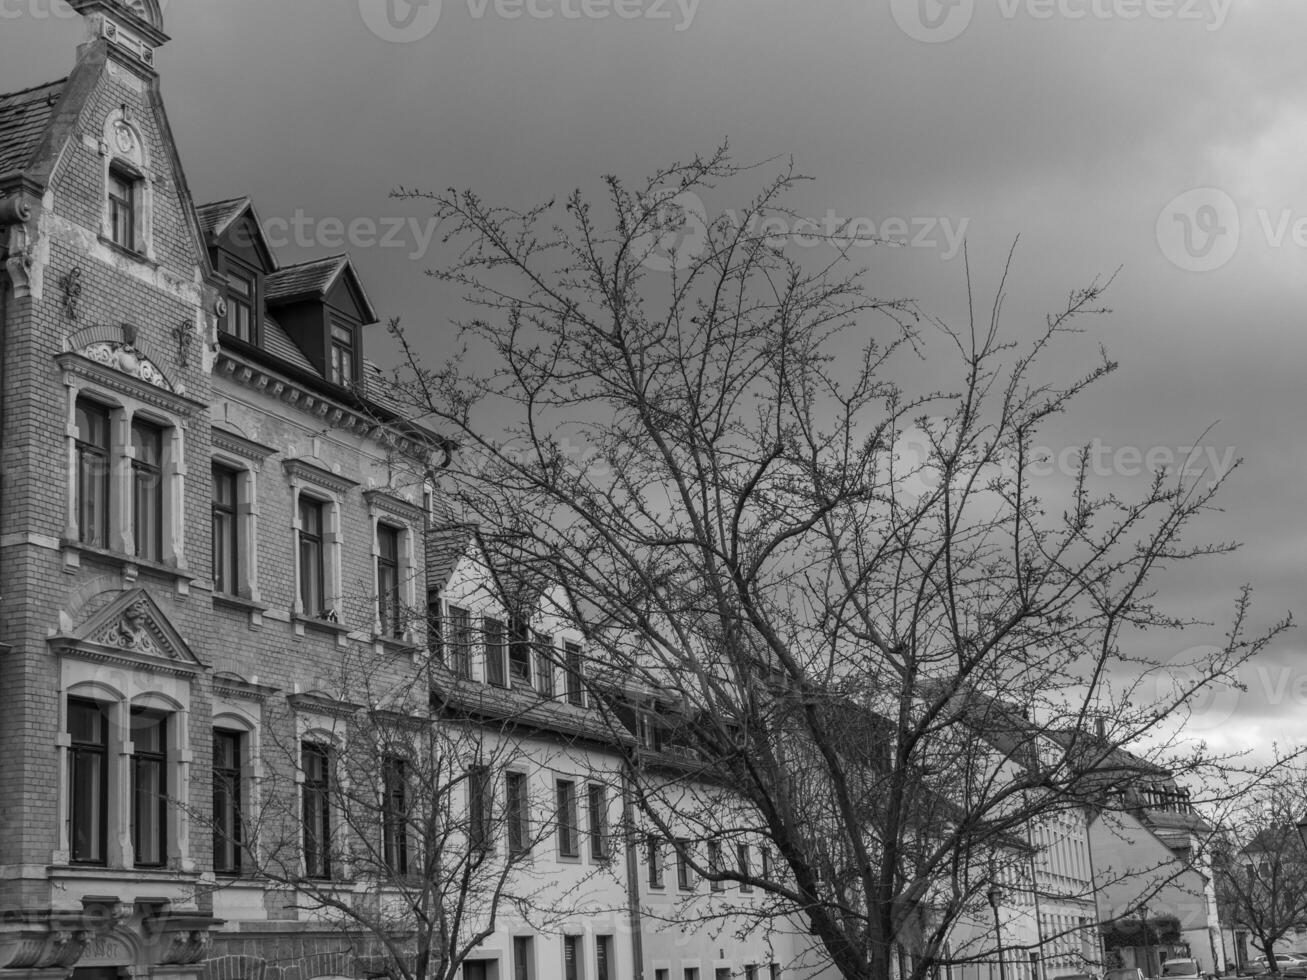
(134, 629)
(128, 360)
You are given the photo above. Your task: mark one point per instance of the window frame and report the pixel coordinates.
(684, 873)
(225, 542)
(390, 605)
(316, 822)
(229, 781)
(86, 450)
(342, 359)
(125, 235)
(231, 268)
(715, 866)
(96, 750)
(158, 759)
(654, 858)
(495, 644)
(148, 489)
(521, 673)
(480, 808)
(597, 817)
(574, 673)
(394, 814)
(312, 573)
(569, 829)
(542, 645)
(744, 863)
(517, 813)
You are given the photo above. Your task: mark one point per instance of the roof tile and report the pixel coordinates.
(24, 118)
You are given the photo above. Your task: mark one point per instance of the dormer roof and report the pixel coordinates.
(314, 280)
(220, 217)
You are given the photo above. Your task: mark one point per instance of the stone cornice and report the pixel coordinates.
(318, 704)
(236, 687)
(83, 367)
(385, 500)
(302, 469)
(99, 653)
(238, 445)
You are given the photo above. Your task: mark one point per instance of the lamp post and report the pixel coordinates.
(995, 896)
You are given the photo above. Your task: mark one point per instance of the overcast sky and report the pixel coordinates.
(1164, 137)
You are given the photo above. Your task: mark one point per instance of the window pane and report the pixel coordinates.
(495, 653)
(149, 788)
(147, 490)
(92, 473)
(460, 636)
(573, 654)
(519, 653)
(312, 571)
(226, 801)
(225, 540)
(395, 814)
(316, 810)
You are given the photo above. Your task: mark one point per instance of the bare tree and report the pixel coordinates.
(395, 805)
(831, 581)
(1260, 866)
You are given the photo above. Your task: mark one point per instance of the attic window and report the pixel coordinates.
(241, 296)
(124, 200)
(342, 353)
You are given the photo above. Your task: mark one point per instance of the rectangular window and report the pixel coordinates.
(597, 800)
(88, 782)
(522, 965)
(603, 957)
(394, 814)
(435, 626)
(544, 650)
(750, 971)
(495, 653)
(654, 856)
(517, 813)
(691, 973)
(312, 557)
(684, 873)
(715, 863)
(92, 473)
(478, 807)
(460, 642)
(342, 354)
(572, 958)
(225, 537)
(519, 652)
(122, 209)
(388, 606)
(575, 689)
(227, 825)
(722, 973)
(149, 788)
(662, 974)
(775, 970)
(569, 844)
(742, 859)
(147, 490)
(765, 854)
(241, 300)
(316, 799)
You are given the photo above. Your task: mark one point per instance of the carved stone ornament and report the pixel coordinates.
(128, 360)
(185, 337)
(71, 284)
(186, 947)
(132, 632)
(41, 950)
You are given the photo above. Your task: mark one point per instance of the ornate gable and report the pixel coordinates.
(132, 630)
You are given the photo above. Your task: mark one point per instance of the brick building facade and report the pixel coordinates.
(209, 516)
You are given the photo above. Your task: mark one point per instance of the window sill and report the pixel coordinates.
(255, 609)
(128, 253)
(316, 625)
(131, 566)
(395, 644)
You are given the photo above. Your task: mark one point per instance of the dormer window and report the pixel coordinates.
(124, 197)
(342, 353)
(242, 295)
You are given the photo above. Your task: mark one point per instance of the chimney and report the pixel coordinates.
(1100, 726)
(132, 29)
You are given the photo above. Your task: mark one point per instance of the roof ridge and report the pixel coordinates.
(35, 88)
(324, 259)
(223, 203)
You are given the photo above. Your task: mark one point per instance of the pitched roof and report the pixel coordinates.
(24, 118)
(278, 343)
(445, 546)
(217, 216)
